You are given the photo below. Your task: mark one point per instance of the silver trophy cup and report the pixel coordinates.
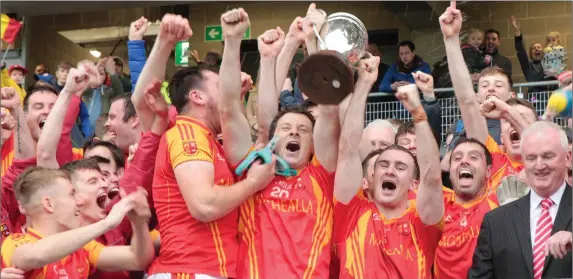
(327, 77)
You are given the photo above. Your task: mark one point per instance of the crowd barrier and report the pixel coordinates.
(450, 108)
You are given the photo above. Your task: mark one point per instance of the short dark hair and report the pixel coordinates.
(289, 109)
(406, 128)
(38, 88)
(370, 155)
(462, 140)
(491, 30)
(129, 108)
(117, 61)
(409, 44)
(521, 102)
(183, 81)
(116, 153)
(400, 148)
(83, 164)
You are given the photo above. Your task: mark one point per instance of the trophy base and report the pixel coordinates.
(325, 78)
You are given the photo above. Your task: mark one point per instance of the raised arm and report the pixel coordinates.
(429, 200)
(270, 45)
(314, 17)
(173, 29)
(142, 164)
(293, 40)
(234, 124)
(475, 123)
(136, 49)
(57, 246)
(348, 177)
(24, 145)
(76, 84)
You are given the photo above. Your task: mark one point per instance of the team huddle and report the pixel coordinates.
(317, 206)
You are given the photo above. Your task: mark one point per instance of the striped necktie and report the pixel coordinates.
(542, 234)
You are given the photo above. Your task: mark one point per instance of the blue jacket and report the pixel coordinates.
(136, 59)
(393, 75)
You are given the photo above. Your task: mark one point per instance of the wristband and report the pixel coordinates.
(419, 115)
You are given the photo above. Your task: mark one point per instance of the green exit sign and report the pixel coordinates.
(214, 33)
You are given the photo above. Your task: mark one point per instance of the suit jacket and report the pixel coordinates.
(504, 248)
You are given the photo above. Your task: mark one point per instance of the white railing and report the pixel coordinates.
(450, 109)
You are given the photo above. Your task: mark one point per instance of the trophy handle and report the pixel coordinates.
(320, 41)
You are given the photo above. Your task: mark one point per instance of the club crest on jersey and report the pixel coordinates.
(190, 147)
(404, 229)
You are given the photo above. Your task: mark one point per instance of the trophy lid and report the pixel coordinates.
(325, 78)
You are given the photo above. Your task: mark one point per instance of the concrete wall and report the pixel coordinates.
(46, 46)
(266, 15)
(536, 18)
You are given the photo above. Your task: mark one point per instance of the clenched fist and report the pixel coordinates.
(7, 121)
(409, 96)
(368, 69)
(451, 21)
(234, 23)
(271, 42)
(173, 29)
(424, 82)
(246, 83)
(295, 30)
(494, 108)
(94, 76)
(137, 29)
(78, 80)
(10, 98)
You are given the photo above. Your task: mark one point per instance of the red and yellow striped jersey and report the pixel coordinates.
(8, 154)
(77, 265)
(459, 239)
(371, 246)
(501, 166)
(445, 190)
(287, 227)
(187, 244)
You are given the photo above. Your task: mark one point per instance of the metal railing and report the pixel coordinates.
(518, 86)
(450, 108)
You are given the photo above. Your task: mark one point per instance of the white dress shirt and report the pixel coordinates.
(535, 209)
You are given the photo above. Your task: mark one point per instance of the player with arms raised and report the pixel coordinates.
(195, 196)
(389, 236)
(287, 225)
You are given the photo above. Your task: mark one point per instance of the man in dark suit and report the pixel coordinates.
(531, 237)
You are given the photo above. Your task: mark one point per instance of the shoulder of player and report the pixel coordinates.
(16, 239)
(93, 245)
(186, 131)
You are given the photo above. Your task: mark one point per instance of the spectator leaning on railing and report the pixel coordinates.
(400, 73)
